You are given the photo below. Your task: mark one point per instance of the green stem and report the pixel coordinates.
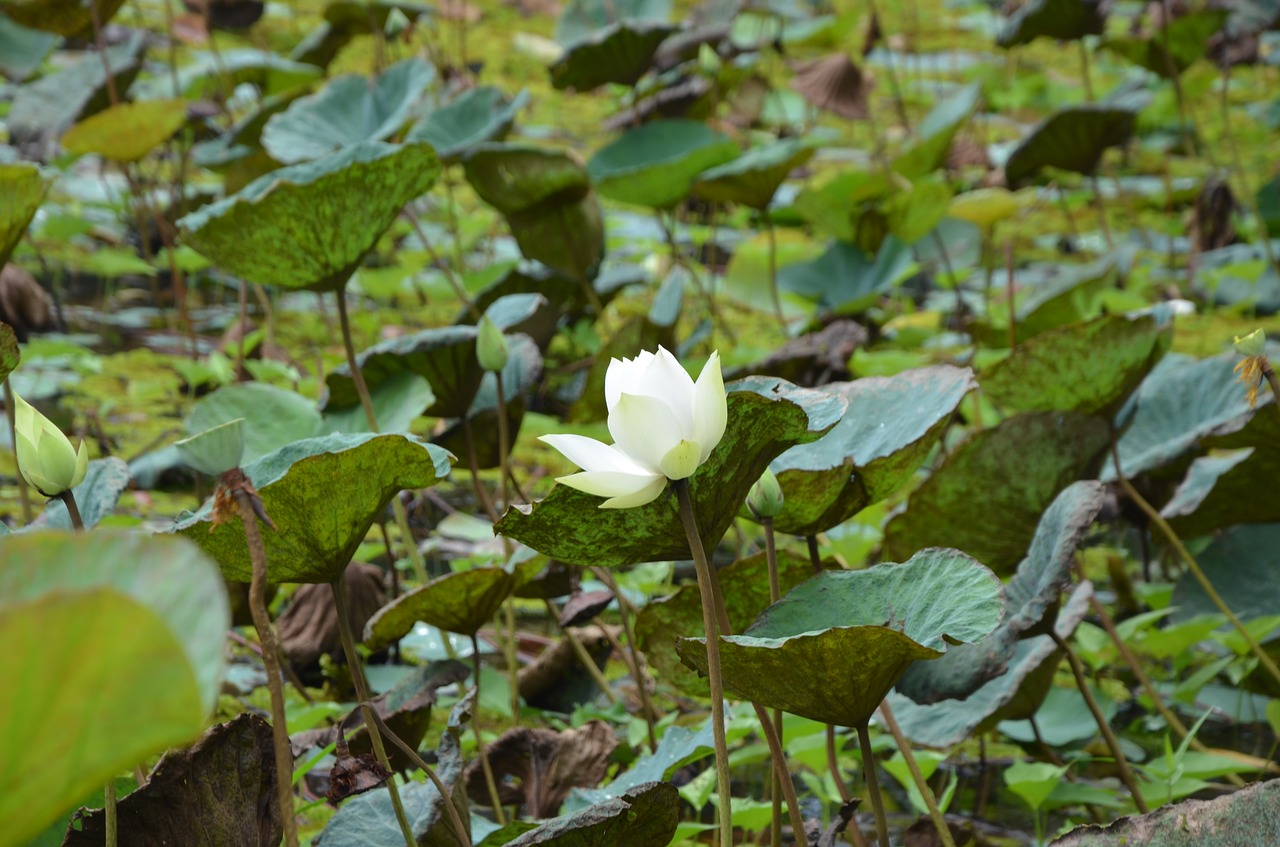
(362, 694)
(1085, 74)
(627, 613)
(930, 802)
(775, 594)
(711, 627)
(362, 389)
(455, 820)
(773, 269)
(109, 810)
(475, 727)
(873, 784)
(73, 511)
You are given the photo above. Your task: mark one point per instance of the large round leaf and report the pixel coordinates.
(988, 495)
(831, 649)
(128, 628)
(459, 602)
(478, 115)
(887, 431)
(1073, 138)
(323, 495)
(619, 53)
(1032, 594)
(655, 165)
(1090, 368)
(273, 417)
(765, 417)
(23, 186)
(348, 110)
(753, 178)
(1061, 20)
(127, 131)
(311, 225)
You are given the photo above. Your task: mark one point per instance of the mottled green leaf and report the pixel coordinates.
(23, 186)
(655, 164)
(988, 495)
(643, 816)
(1241, 566)
(323, 495)
(765, 417)
(458, 602)
(583, 17)
(133, 624)
(1090, 368)
(1073, 139)
(619, 53)
(127, 131)
(888, 429)
(311, 225)
(831, 649)
(753, 178)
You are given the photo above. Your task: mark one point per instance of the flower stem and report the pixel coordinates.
(475, 727)
(873, 784)
(73, 511)
(362, 694)
(627, 612)
(362, 389)
(270, 659)
(775, 594)
(930, 802)
(109, 811)
(711, 627)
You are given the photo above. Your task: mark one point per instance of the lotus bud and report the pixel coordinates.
(1253, 344)
(215, 451)
(46, 458)
(491, 346)
(765, 499)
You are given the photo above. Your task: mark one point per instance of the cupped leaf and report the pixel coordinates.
(23, 186)
(135, 625)
(1032, 594)
(63, 17)
(1061, 20)
(479, 115)
(643, 816)
(458, 602)
(888, 429)
(765, 417)
(1090, 368)
(989, 493)
(323, 495)
(753, 178)
(1073, 139)
(127, 131)
(350, 109)
(311, 225)
(1182, 401)
(273, 417)
(655, 165)
(832, 647)
(745, 585)
(1174, 47)
(444, 356)
(1016, 694)
(619, 53)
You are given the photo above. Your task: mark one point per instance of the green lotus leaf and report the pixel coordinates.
(1073, 139)
(619, 53)
(459, 602)
(581, 18)
(566, 236)
(1090, 368)
(348, 110)
(323, 495)
(888, 429)
(273, 417)
(656, 164)
(1241, 569)
(22, 50)
(63, 17)
(10, 355)
(477, 116)
(1061, 20)
(989, 493)
(311, 225)
(765, 417)
(832, 647)
(679, 746)
(519, 376)
(929, 150)
(1032, 595)
(23, 187)
(131, 623)
(1172, 49)
(127, 132)
(444, 356)
(1055, 295)
(643, 816)
(844, 279)
(753, 178)
(398, 401)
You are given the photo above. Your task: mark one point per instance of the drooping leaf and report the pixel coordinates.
(62, 17)
(1073, 139)
(132, 623)
(273, 417)
(988, 495)
(350, 109)
(479, 115)
(459, 602)
(619, 53)
(127, 131)
(1089, 368)
(311, 225)
(1175, 47)
(765, 417)
(23, 186)
(1032, 596)
(655, 164)
(323, 495)
(1061, 20)
(888, 429)
(831, 649)
(643, 816)
(753, 178)
(745, 585)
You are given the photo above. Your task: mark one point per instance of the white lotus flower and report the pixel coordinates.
(45, 455)
(663, 424)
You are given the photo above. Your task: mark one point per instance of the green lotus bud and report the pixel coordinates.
(214, 451)
(491, 346)
(1253, 344)
(46, 458)
(765, 499)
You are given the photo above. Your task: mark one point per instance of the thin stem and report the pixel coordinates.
(1085, 74)
(1126, 774)
(1270, 374)
(814, 558)
(775, 594)
(627, 613)
(873, 784)
(109, 811)
(362, 389)
(584, 657)
(447, 269)
(711, 627)
(510, 648)
(362, 694)
(473, 463)
(930, 801)
(833, 765)
(73, 511)
(1102, 210)
(455, 820)
(271, 660)
(1193, 566)
(503, 500)
(773, 269)
(475, 727)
